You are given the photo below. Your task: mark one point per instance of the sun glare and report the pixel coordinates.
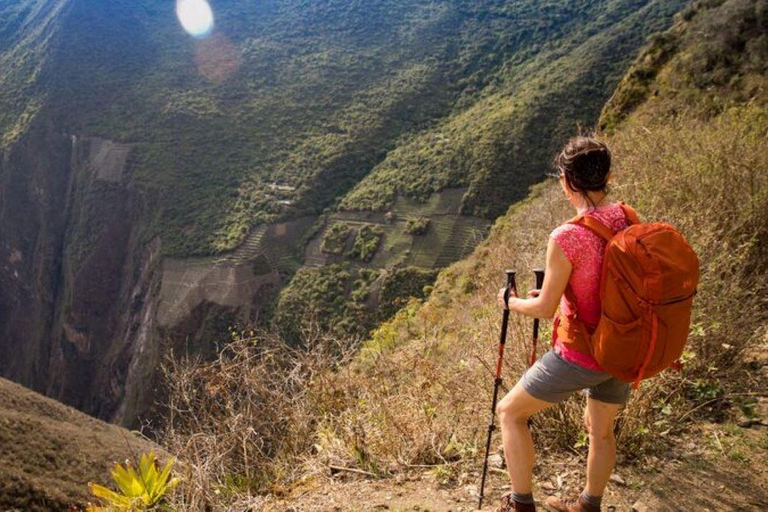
(196, 16)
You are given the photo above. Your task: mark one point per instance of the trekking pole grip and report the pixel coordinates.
(539, 273)
(511, 285)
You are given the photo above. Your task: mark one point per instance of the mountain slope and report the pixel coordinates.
(416, 395)
(311, 97)
(49, 452)
(419, 387)
(496, 146)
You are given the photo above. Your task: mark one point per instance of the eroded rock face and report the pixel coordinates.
(80, 290)
(77, 285)
(34, 178)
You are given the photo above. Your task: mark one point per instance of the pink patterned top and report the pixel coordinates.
(584, 249)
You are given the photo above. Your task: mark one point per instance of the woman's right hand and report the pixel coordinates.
(533, 293)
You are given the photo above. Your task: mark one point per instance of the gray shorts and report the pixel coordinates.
(553, 379)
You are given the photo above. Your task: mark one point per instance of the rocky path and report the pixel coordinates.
(712, 468)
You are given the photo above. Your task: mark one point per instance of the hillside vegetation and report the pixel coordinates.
(498, 145)
(417, 393)
(288, 105)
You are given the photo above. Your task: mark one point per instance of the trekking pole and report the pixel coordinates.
(539, 272)
(496, 383)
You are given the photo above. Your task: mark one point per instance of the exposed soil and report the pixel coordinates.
(711, 468)
(49, 452)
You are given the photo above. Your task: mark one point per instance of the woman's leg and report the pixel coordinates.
(513, 411)
(599, 419)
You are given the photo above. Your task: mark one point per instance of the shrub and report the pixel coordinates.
(366, 243)
(417, 226)
(247, 422)
(335, 238)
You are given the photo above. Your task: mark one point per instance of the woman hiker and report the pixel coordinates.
(574, 258)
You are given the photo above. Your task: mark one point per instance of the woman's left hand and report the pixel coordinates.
(512, 293)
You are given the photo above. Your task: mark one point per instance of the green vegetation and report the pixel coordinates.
(288, 106)
(319, 296)
(501, 143)
(417, 226)
(146, 489)
(708, 76)
(366, 243)
(346, 300)
(399, 286)
(335, 238)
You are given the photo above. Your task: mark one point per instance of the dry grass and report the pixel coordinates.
(244, 423)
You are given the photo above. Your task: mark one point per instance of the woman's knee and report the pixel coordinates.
(517, 407)
(602, 438)
(507, 411)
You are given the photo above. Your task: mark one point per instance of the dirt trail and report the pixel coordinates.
(712, 468)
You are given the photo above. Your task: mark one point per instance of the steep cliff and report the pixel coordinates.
(78, 291)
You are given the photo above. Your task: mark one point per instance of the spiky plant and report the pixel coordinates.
(142, 490)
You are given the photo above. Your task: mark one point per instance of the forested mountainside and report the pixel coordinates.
(289, 104)
(157, 188)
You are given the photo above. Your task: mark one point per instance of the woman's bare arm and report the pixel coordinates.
(544, 304)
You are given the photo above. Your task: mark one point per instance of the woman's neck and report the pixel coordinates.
(597, 201)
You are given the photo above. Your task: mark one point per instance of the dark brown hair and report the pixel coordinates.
(585, 163)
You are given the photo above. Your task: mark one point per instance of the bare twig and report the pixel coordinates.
(336, 469)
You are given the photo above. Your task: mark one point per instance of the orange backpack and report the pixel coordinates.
(649, 278)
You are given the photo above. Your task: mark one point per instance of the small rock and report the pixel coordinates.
(471, 489)
(617, 479)
(547, 486)
(639, 506)
(496, 461)
(749, 423)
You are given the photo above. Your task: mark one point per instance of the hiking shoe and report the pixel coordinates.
(510, 505)
(555, 504)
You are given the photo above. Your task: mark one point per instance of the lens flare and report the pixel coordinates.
(196, 16)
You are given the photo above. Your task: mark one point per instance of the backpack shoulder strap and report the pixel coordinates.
(593, 225)
(630, 213)
(601, 229)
